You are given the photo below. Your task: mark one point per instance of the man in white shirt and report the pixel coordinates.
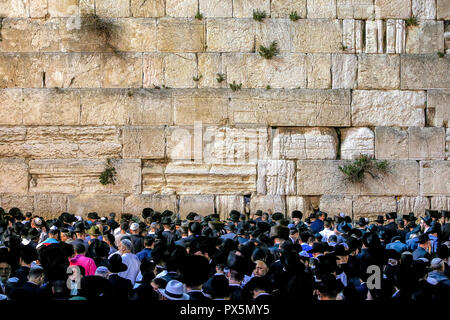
(130, 259)
(327, 231)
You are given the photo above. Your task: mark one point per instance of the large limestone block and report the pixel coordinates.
(227, 179)
(426, 143)
(425, 71)
(378, 71)
(14, 9)
(135, 203)
(144, 107)
(50, 205)
(147, 9)
(153, 68)
(305, 143)
(200, 204)
(143, 142)
(82, 204)
(391, 143)
(357, 141)
(230, 35)
(82, 176)
(224, 204)
(180, 69)
(135, 35)
(434, 178)
(276, 177)
(279, 30)
(283, 8)
(23, 202)
(216, 8)
(392, 9)
(11, 141)
(181, 144)
(234, 145)
(74, 70)
(11, 111)
(180, 35)
(427, 37)
(209, 66)
(418, 205)
(371, 207)
(274, 203)
(38, 8)
(319, 71)
(334, 205)
(181, 8)
(305, 107)
(355, 9)
(440, 203)
(317, 36)
(63, 8)
(207, 106)
(72, 142)
(443, 9)
(424, 9)
(245, 8)
(123, 71)
(13, 176)
(321, 9)
(235, 68)
(388, 108)
(21, 71)
(112, 8)
(438, 107)
(153, 179)
(287, 71)
(302, 204)
(318, 177)
(343, 71)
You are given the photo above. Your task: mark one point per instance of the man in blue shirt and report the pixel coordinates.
(146, 253)
(317, 225)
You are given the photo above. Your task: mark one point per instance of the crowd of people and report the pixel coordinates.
(261, 257)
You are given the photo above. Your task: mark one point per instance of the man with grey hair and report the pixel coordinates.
(437, 274)
(130, 260)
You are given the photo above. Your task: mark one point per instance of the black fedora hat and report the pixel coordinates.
(317, 247)
(371, 240)
(93, 215)
(356, 233)
(115, 264)
(98, 249)
(279, 232)
(339, 250)
(391, 215)
(343, 227)
(362, 222)
(380, 219)
(79, 227)
(297, 214)
(427, 220)
(33, 233)
(166, 220)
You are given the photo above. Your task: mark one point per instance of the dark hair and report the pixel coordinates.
(28, 254)
(124, 226)
(35, 272)
(148, 241)
(236, 276)
(79, 248)
(332, 238)
(160, 282)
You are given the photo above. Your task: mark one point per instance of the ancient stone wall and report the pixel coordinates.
(146, 83)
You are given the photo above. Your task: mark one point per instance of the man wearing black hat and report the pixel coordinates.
(92, 217)
(445, 225)
(122, 286)
(424, 248)
(318, 224)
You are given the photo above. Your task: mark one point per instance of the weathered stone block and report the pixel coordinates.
(424, 9)
(62, 8)
(180, 70)
(279, 30)
(50, 205)
(23, 202)
(11, 141)
(357, 141)
(180, 143)
(14, 176)
(426, 143)
(392, 9)
(209, 66)
(290, 108)
(147, 9)
(123, 71)
(371, 207)
(180, 35)
(427, 37)
(438, 107)
(443, 9)
(317, 36)
(283, 8)
(112, 8)
(440, 203)
(434, 178)
(276, 177)
(378, 71)
(224, 204)
(302, 204)
(275, 203)
(230, 35)
(153, 68)
(200, 204)
(82, 204)
(38, 8)
(418, 205)
(143, 142)
(319, 71)
(325, 9)
(14, 9)
(305, 143)
(343, 71)
(216, 8)
(181, 8)
(334, 205)
(134, 35)
(447, 144)
(355, 9)
(135, 203)
(425, 71)
(205, 106)
(388, 108)
(10, 114)
(153, 180)
(245, 8)
(21, 71)
(391, 143)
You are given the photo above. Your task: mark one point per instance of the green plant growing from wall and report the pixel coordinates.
(441, 54)
(234, 86)
(268, 87)
(198, 15)
(343, 47)
(103, 29)
(270, 52)
(197, 78)
(411, 21)
(355, 171)
(108, 175)
(294, 16)
(259, 15)
(220, 77)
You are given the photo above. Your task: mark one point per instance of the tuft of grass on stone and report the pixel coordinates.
(441, 54)
(412, 21)
(220, 77)
(108, 175)
(268, 87)
(198, 15)
(270, 52)
(356, 171)
(259, 15)
(234, 86)
(294, 16)
(197, 78)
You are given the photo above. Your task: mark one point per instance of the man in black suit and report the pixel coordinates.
(31, 290)
(121, 287)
